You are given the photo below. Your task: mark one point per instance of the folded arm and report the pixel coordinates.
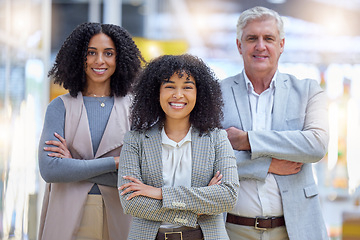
(55, 161)
(283, 152)
(178, 202)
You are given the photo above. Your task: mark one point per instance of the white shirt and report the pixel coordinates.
(177, 161)
(256, 198)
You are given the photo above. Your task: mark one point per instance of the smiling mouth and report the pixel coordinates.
(259, 57)
(99, 70)
(177, 105)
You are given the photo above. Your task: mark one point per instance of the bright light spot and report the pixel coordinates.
(334, 136)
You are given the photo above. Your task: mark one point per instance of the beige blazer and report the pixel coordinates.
(63, 203)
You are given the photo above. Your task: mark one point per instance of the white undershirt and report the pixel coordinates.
(177, 161)
(257, 198)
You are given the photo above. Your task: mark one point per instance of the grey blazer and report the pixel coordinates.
(141, 158)
(299, 133)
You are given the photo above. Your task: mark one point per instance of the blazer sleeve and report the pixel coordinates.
(304, 140)
(141, 206)
(181, 205)
(209, 200)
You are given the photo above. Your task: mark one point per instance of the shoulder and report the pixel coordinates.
(126, 100)
(138, 135)
(296, 81)
(231, 80)
(215, 135)
(300, 85)
(56, 104)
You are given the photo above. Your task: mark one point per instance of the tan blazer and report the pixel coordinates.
(64, 202)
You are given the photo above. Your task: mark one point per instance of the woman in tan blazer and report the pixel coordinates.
(177, 170)
(83, 134)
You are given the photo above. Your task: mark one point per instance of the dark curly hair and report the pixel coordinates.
(69, 67)
(146, 110)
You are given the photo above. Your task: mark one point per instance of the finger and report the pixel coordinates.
(60, 138)
(134, 194)
(55, 155)
(126, 186)
(54, 149)
(132, 179)
(53, 142)
(126, 190)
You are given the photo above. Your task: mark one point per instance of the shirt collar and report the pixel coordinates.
(166, 140)
(250, 87)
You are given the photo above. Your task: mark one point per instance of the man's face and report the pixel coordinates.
(261, 46)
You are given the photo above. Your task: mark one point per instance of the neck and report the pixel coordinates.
(260, 82)
(97, 89)
(96, 93)
(176, 130)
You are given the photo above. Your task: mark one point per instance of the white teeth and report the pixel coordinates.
(177, 104)
(99, 70)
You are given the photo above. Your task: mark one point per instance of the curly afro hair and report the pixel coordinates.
(146, 110)
(69, 67)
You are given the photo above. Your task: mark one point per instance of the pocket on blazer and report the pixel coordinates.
(311, 191)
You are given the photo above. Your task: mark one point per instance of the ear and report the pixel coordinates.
(282, 43)
(238, 44)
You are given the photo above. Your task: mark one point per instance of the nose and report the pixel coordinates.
(99, 59)
(178, 94)
(260, 45)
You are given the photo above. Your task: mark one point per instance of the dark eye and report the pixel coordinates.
(109, 54)
(91, 53)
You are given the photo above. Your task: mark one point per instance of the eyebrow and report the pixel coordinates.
(187, 81)
(105, 48)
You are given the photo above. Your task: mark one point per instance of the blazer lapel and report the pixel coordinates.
(81, 134)
(280, 102)
(116, 127)
(199, 152)
(241, 97)
(153, 155)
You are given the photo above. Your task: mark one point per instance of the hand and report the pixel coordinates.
(117, 162)
(284, 167)
(216, 180)
(238, 139)
(139, 188)
(61, 150)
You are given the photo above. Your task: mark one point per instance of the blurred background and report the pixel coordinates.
(322, 42)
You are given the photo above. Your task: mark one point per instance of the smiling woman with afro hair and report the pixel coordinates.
(70, 61)
(177, 169)
(83, 134)
(146, 109)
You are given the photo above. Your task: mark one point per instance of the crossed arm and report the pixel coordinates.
(156, 203)
(56, 162)
(239, 141)
(287, 149)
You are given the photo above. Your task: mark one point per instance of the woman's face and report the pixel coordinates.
(101, 59)
(178, 97)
